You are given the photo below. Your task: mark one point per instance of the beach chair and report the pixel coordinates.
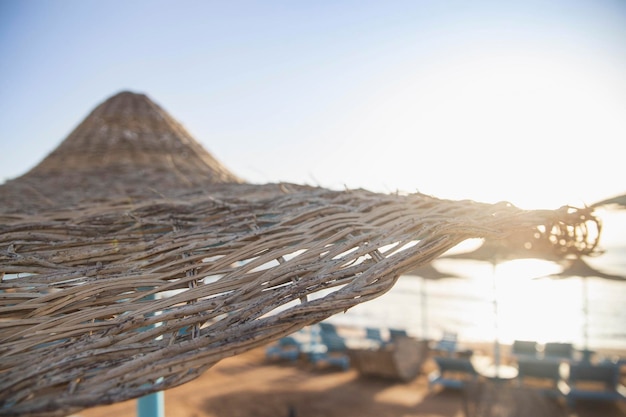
(374, 334)
(285, 348)
(524, 349)
(540, 374)
(448, 342)
(327, 328)
(558, 351)
(332, 348)
(598, 382)
(452, 372)
(397, 333)
(333, 342)
(448, 345)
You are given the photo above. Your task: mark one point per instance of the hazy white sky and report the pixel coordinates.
(522, 101)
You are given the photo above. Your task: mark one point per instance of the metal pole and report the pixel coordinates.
(496, 353)
(585, 314)
(424, 311)
(151, 405)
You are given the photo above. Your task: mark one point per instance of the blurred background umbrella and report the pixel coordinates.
(618, 202)
(428, 272)
(518, 246)
(577, 267)
(528, 245)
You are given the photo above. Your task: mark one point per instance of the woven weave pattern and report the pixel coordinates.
(237, 274)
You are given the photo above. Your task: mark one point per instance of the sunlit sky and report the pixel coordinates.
(522, 101)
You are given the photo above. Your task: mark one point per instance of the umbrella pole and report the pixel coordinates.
(151, 405)
(585, 314)
(424, 311)
(496, 347)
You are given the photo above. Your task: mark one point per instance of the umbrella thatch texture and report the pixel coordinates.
(236, 265)
(126, 147)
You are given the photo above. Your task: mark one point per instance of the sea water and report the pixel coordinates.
(512, 300)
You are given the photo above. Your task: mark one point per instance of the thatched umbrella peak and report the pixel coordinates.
(127, 146)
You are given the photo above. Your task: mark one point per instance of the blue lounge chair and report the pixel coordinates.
(525, 349)
(558, 351)
(396, 333)
(589, 381)
(448, 345)
(544, 375)
(327, 328)
(452, 372)
(333, 342)
(285, 348)
(331, 348)
(448, 342)
(374, 334)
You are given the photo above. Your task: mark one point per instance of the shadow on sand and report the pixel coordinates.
(307, 393)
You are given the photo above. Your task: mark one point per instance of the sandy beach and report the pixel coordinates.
(251, 385)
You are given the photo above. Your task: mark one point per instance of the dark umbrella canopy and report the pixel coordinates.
(579, 268)
(613, 202)
(517, 246)
(523, 245)
(428, 272)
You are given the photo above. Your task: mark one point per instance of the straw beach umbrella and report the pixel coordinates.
(127, 147)
(130, 207)
(578, 268)
(521, 245)
(427, 272)
(618, 202)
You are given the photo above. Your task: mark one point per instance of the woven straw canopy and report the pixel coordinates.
(127, 147)
(133, 261)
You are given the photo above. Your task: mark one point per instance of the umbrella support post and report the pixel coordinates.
(496, 348)
(151, 405)
(424, 311)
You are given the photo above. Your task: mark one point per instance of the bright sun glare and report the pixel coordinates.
(492, 126)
